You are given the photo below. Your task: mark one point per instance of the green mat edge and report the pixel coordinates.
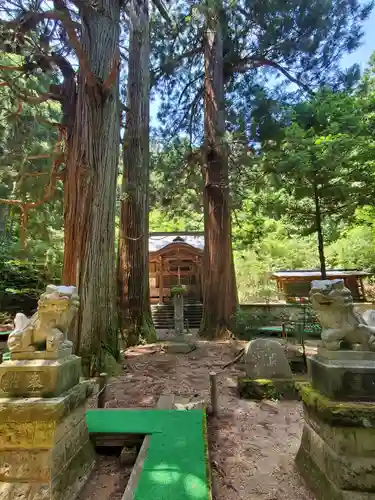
(208, 472)
(207, 454)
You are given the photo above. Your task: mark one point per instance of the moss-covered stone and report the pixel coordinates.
(315, 479)
(268, 389)
(317, 469)
(66, 485)
(345, 441)
(337, 413)
(346, 471)
(45, 442)
(44, 410)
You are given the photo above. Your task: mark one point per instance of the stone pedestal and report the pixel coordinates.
(343, 375)
(45, 451)
(38, 377)
(337, 452)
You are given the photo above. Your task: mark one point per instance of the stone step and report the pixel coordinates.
(163, 314)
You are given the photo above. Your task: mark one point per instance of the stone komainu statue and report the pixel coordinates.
(47, 329)
(341, 325)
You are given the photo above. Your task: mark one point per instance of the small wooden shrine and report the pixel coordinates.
(175, 258)
(294, 286)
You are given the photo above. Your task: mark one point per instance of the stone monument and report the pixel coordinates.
(178, 307)
(268, 373)
(337, 452)
(266, 359)
(45, 451)
(180, 343)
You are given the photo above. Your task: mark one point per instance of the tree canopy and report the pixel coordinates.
(260, 131)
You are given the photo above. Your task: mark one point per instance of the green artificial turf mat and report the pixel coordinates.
(176, 466)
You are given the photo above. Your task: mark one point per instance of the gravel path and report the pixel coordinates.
(252, 444)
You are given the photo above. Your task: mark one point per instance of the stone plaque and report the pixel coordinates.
(39, 378)
(359, 383)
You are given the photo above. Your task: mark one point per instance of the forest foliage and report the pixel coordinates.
(280, 137)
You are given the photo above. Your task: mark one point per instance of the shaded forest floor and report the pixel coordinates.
(252, 444)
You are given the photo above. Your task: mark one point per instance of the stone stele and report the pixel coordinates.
(178, 308)
(45, 451)
(266, 359)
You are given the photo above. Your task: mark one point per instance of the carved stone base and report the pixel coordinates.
(45, 451)
(39, 378)
(344, 375)
(62, 353)
(337, 452)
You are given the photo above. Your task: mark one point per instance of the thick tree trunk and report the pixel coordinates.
(91, 187)
(133, 267)
(319, 231)
(4, 211)
(73, 205)
(219, 287)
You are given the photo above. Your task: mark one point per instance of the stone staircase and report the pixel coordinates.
(162, 314)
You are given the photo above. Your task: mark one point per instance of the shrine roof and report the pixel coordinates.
(315, 273)
(157, 241)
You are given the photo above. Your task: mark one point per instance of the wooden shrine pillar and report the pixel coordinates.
(161, 280)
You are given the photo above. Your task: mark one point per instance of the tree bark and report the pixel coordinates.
(91, 188)
(219, 287)
(4, 211)
(319, 231)
(133, 262)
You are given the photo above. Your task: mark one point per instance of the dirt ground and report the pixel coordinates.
(252, 444)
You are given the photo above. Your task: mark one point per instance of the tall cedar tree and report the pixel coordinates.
(135, 313)
(91, 126)
(219, 284)
(220, 52)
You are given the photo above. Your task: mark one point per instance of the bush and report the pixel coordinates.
(22, 281)
(246, 323)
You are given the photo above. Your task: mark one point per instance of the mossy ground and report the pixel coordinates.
(268, 389)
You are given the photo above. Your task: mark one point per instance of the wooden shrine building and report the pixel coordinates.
(294, 286)
(173, 258)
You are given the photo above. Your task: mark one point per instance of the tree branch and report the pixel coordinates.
(12, 68)
(61, 14)
(48, 193)
(257, 62)
(45, 96)
(171, 65)
(162, 10)
(188, 85)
